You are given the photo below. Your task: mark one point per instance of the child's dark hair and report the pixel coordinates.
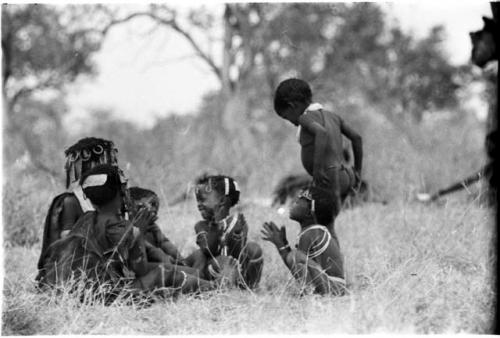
(104, 193)
(137, 193)
(323, 205)
(291, 90)
(224, 185)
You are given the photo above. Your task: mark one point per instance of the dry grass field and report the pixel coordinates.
(410, 268)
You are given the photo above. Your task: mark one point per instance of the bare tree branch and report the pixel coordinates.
(172, 23)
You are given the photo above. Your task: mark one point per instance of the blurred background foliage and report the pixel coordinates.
(401, 92)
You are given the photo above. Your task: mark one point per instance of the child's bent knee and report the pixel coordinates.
(253, 250)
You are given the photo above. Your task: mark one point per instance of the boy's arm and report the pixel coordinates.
(128, 243)
(137, 255)
(70, 213)
(320, 142)
(357, 146)
(202, 238)
(240, 231)
(165, 244)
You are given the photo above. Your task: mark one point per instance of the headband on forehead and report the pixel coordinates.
(95, 180)
(227, 186)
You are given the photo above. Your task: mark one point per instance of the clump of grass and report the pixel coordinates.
(410, 269)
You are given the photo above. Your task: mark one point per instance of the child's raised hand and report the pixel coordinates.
(143, 219)
(273, 234)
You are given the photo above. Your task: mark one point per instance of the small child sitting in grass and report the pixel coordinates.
(158, 247)
(317, 261)
(221, 235)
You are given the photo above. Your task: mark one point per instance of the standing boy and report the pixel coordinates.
(320, 137)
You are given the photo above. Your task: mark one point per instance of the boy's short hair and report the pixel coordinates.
(137, 193)
(323, 205)
(101, 183)
(291, 90)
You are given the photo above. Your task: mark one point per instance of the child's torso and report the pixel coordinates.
(333, 151)
(226, 237)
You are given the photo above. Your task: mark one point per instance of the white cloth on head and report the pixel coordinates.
(95, 180)
(314, 106)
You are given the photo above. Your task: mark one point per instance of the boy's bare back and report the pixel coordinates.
(333, 155)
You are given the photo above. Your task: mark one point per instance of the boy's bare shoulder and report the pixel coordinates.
(332, 114)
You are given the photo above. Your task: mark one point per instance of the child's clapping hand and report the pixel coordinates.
(275, 235)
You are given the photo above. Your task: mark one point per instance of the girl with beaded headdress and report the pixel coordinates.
(107, 252)
(67, 207)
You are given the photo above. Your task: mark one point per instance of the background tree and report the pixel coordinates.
(44, 49)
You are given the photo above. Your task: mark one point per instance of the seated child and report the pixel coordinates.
(221, 234)
(67, 207)
(158, 247)
(320, 136)
(317, 261)
(108, 251)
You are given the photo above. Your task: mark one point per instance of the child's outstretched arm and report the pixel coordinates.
(320, 142)
(357, 146)
(165, 244)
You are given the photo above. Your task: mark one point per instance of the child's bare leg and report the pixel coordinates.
(155, 254)
(187, 269)
(198, 261)
(168, 277)
(344, 180)
(304, 275)
(251, 262)
(310, 273)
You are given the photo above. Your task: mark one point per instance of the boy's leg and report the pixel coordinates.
(224, 270)
(346, 182)
(155, 254)
(198, 261)
(162, 276)
(251, 263)
(310, 274)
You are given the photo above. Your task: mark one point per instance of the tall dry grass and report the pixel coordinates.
(410, 268)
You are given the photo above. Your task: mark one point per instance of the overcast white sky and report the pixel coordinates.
(143, 75)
